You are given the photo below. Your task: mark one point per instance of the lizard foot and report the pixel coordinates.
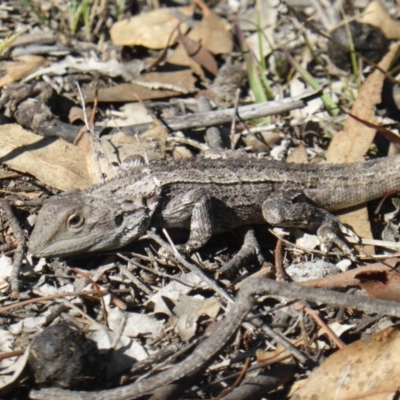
(329, 234)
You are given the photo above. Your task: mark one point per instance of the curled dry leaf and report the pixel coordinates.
(367, 369)
(197, 53)
(151, 29)
(55, 162)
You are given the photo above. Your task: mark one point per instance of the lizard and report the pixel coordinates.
(207, 196)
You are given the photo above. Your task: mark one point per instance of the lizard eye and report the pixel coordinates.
(75, 221)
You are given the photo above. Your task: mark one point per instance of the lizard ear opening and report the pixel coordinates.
(119, 219)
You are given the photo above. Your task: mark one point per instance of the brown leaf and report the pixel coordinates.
(151, 29)
(214, 33)
(380, 284)
(353, 142)
(128, 92)
(54, 162)
(298, 155)
(367, 369)
(23, 67)
(76, 114)
(198, 53)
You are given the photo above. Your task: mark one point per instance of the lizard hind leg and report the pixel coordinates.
(293, 209)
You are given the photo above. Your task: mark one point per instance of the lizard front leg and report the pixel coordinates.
(293, 209)
(193, 208)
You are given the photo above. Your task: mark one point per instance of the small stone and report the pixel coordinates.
(63, 357)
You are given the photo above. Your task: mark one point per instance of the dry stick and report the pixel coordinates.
(191, 267)
(135, 281)
(328, 331)
(42, 299)
(90, 133)
(210, 347)
(202, 120)
(213, 135)
(233, 124)
(19, 251)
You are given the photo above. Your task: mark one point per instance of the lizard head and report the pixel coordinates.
(82, 222)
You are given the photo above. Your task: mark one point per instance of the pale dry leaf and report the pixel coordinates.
(55, 162)
(255, 143)
(22, 67)
(172, 291)
(76, 114)
(122, 353)
(366, 369)
(135, 324)
(214, 33)
(10, 375)
(151, 29)
(377, 15)
(9, 174)
(121, 146)
(128, 114)
(129, 92)
(181, 152)
(298, 155)
(353, 142)
(189, 309)
(113, 68)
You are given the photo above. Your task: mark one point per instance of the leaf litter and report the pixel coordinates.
(143, 70)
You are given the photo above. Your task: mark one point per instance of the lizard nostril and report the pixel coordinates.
(118, 220)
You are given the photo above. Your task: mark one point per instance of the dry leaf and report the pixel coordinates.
(380, 284)
(298, 155)
(189, 309)
(364, 369)
(129, 92)
(151, 29)
(377, 15)
(121, 146)
(55, 162)
(212, 34)
(353, 142)
(76, 114)
(23, 67)
(198, 53)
